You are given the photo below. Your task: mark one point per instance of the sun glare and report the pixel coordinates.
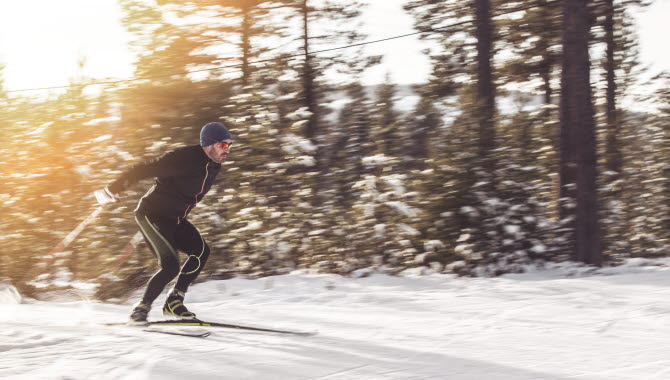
(42, 42)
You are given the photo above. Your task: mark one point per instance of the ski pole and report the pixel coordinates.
(74, 233)
(51, 256)
(128, 249)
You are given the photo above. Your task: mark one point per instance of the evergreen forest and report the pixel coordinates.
(524, 147)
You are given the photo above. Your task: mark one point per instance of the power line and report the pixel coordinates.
(181, 73)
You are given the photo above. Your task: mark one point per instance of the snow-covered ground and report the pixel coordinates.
(561, 323)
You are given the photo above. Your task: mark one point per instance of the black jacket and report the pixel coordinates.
(183, 177)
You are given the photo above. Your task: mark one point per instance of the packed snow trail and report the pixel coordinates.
(557, 324)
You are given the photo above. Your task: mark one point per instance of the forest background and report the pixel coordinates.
(521, 148)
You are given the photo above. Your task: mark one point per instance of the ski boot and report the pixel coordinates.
(139, 314)
(174, 306)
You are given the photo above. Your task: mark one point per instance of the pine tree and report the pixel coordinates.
(578, 140)
(621, 58)
(340, 15)
(386, 126)
(485, 101)
(645, 198)
(534, 39)
(423, 122)
(477, 106)
(430, 16)
(445, 186)
(665, 171)
(351, 144)
(646, 203)
(382, 222)
(163, 48)
(265, 202)
(255, 20)
(331, 22)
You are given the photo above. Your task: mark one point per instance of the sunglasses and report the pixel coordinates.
(221, 144)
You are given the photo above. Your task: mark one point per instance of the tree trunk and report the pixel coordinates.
(546, 85)
(485, 90)
(311, 128)
(613, 157)
(578, 142)
(309, 93)
(544, 45)
(246, 44)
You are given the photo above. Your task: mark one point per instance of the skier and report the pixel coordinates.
(183, 177)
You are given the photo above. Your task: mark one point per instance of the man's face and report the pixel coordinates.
(218, 152)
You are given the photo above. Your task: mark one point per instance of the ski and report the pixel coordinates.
(147, 328)
(198, 322)
(203, 334)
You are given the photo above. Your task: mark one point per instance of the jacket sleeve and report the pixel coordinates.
(167, 165)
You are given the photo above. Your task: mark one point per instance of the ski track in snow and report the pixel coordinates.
(537, 326)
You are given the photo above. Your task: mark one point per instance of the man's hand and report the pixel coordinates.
(104, 196)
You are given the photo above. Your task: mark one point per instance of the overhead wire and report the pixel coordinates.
(181, 73)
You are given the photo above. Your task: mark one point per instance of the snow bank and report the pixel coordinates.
(564, 322)
(9, 294)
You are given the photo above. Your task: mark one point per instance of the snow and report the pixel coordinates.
(562, 322)
(403, 208)
(40, 129)
(376, 160)
(512, 229)
(293, 144)
(251, 226)
(84, 171)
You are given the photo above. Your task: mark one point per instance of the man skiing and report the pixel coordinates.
(183, 177)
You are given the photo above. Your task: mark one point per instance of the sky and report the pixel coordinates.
(565, 322)
(42, 41)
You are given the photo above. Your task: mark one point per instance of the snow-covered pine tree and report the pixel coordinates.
(421, 127)
(386, 128)
(532, 39)
(351, 141)
(383, 220)
(265, 200)
(645, 193)
(578, 146)
(620, 62)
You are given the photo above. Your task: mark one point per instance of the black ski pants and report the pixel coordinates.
(166, 236)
